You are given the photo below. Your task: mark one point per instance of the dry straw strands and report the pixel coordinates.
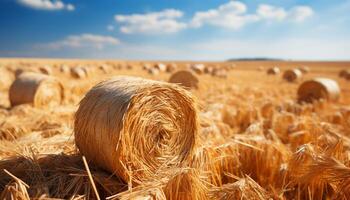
(318, 88)
(37, 89)
(273, 71)
(5, 79)
(134, 127)
(292, 75)
(185, 78)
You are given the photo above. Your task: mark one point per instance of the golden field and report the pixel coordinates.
(250, 137)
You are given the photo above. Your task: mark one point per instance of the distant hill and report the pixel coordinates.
(254, 59)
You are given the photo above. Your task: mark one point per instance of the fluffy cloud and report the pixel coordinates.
(83, 40)
(231, 15)
(234, 15)
(110, 28)
(269, 12)
(165, 21)
(47, 5)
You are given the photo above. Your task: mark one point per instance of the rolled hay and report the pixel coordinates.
(198, 68)
(304, 69)
(64, 69)
(209, 69)
(46, 69)
(185, 78)
(133, 126)
(343, 73)
(37, 89)
(161, 67)
(273, 71)
(220, 73)
(104, 68)
(292, 75)
(79, 72)
(318, 88)
(6, 78)
(153, 71)
(171, 67)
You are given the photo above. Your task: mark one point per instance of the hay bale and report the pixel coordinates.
(104, 68)
(304, 69)
(146, 67)
(5, 79)
(343, 73)
(79, 72)
(46, 69)
(153, 71)
(171, 67)
(221, 73)
(36, 89)
(161, 67)
(273, 71)
(64, 69)
(185, 78)
(292, 75)
(133, 126)
(318, 88)
(209, 69)
(198, 68)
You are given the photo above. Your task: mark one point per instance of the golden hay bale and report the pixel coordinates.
(79, 72)
(292, 75)
(133, 126)
(161, 67)
(221, 73)
(304, 69)
(273, 71)
(318, 88)
(6, 78)
(37, 89)
(343, 73)
(104, 68)
(171, 67)
(64, 69)
(198, 68)
(185, 78)
(46, 69)
(209, 69)
(153, 71)
(146, 66)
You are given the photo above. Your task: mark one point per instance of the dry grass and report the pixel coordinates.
(254, 140)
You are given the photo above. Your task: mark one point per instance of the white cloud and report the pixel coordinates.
(234, 15)
(300, 13)
(269, 12)
(230, 15)
(47, 4)
(165, 21)
(83, 40)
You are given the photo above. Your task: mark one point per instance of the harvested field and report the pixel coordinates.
(238, 134)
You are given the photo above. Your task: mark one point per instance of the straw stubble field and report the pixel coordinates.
(237, 133)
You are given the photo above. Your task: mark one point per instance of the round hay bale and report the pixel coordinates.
(64, 69)
(129, 67)
(6, 78)
(198, 68)
(220, 73)
(292, 75)
(304, 69)
(343, 73)
(133, 126)
(104, 68)
(37, 89)
(146, 67)
(318, 88)
(153, 71)
(170, 68)
(185, 78)
(273, 71)
(209, 69)
(79, 72)
(46, 69)
(161, 67)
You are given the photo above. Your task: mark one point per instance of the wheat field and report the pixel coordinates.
(240, 133)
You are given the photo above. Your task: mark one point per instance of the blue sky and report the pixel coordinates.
(176, 30)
